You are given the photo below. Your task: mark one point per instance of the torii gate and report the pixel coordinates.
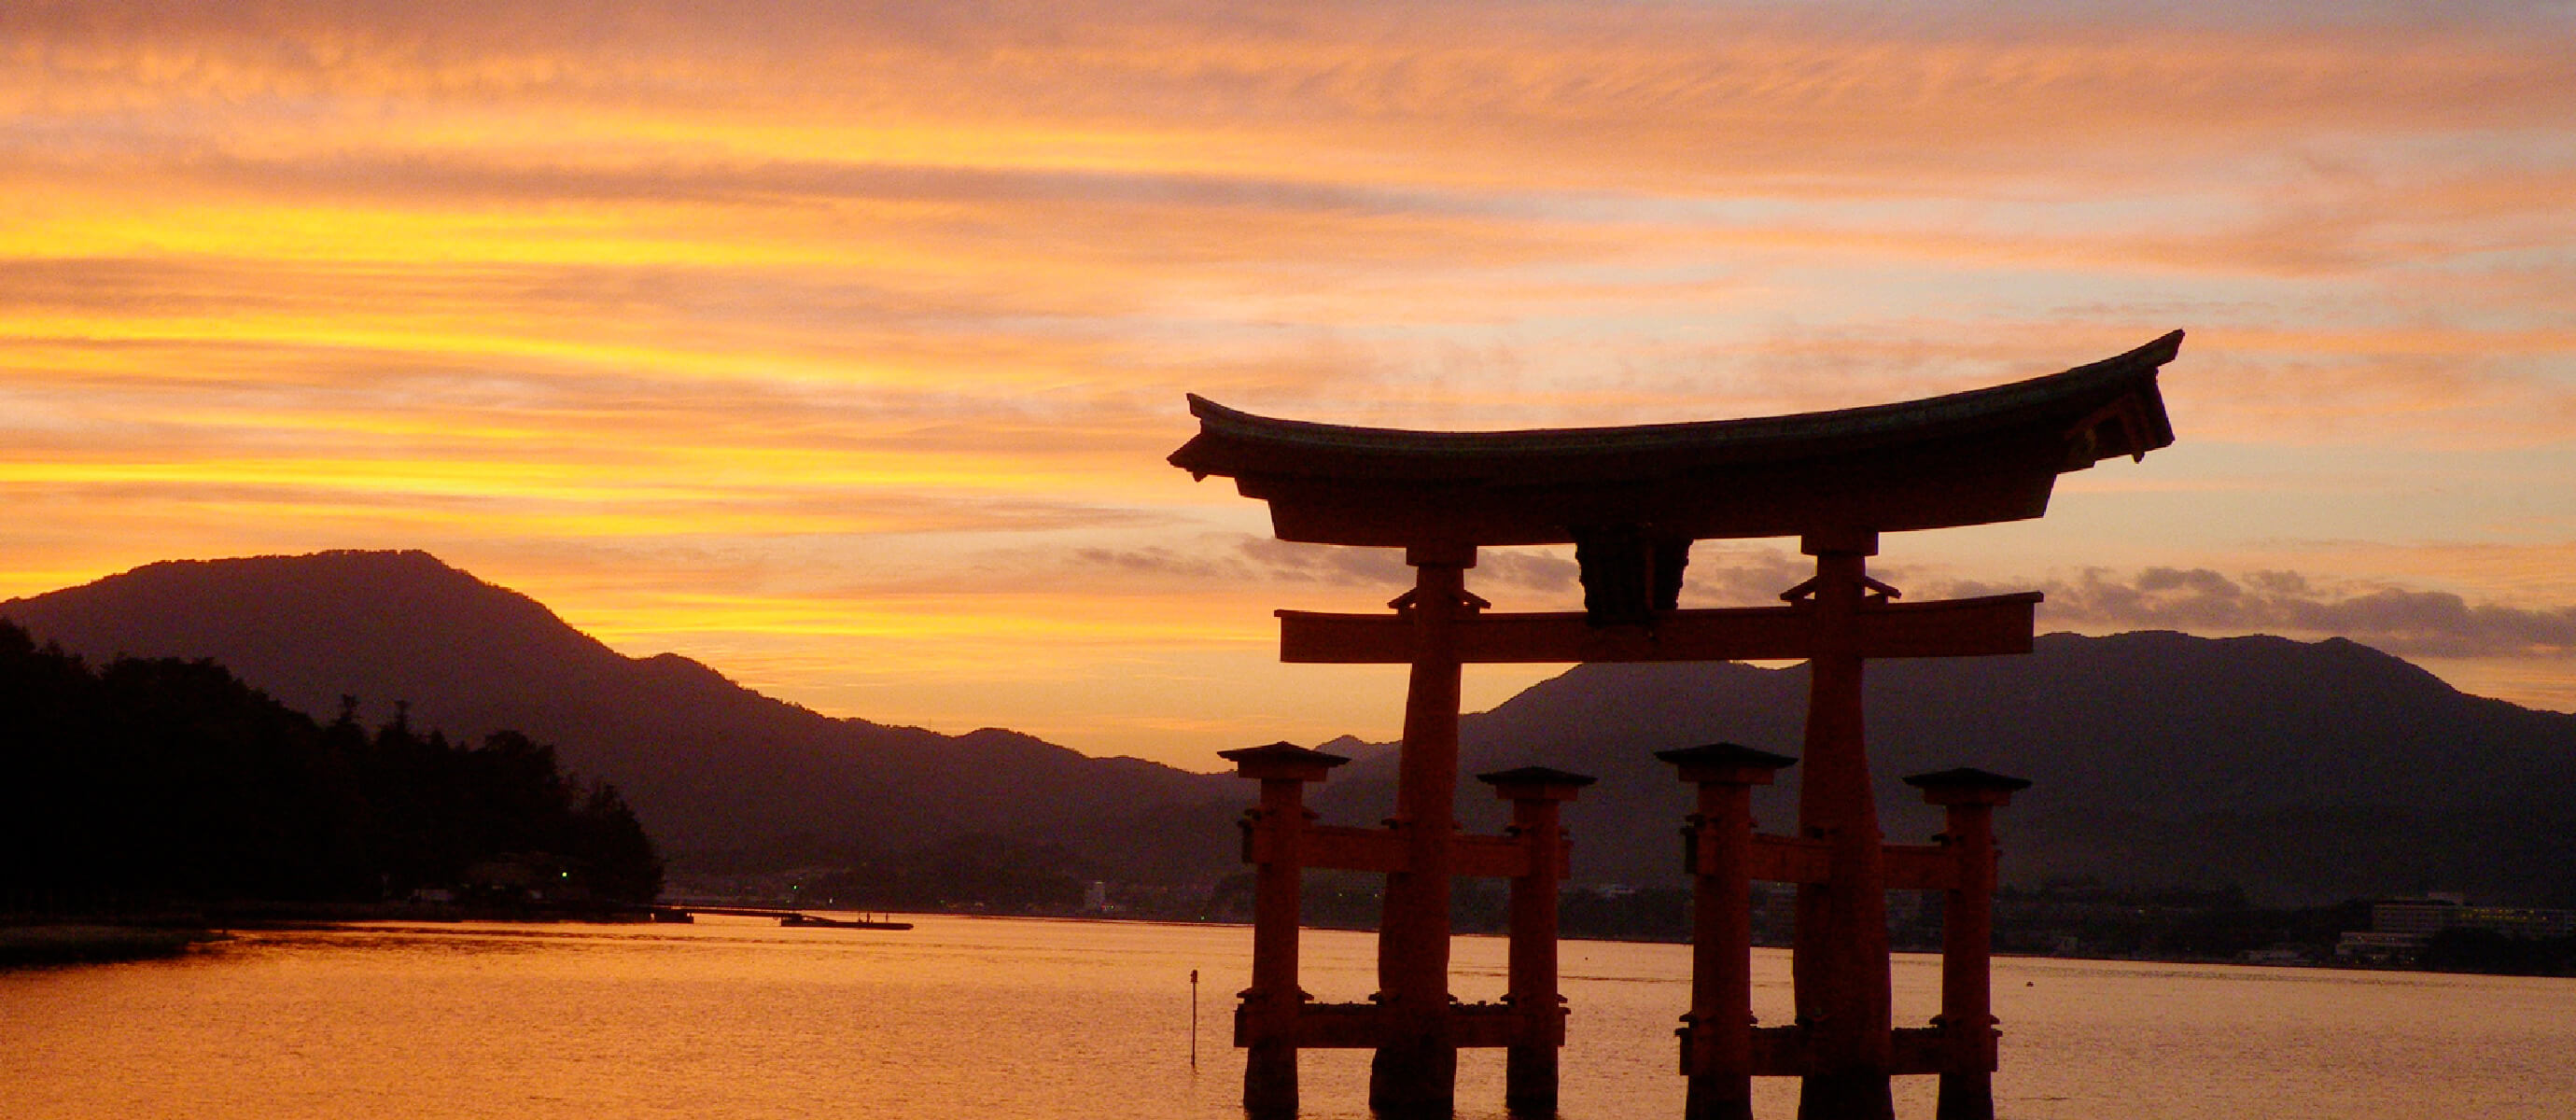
(1632, 500)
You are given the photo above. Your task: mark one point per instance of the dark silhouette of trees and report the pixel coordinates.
(170, 780)
(607, 839)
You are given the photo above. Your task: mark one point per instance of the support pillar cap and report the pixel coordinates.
(1281, 761)
(1726, 764)
(1536, 783)
(1967, 785)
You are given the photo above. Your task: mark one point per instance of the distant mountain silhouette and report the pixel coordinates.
(708, 765)
(2300, 771)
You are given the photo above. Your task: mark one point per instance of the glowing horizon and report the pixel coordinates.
(839, 347)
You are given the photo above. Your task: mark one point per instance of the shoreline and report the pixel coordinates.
(78, 943)
(53, 940)
(96, 939)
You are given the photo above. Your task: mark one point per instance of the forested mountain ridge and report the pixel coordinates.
(710, 766)
(163, 779)
(2300, 771)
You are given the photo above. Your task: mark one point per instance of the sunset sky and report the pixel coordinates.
(839, 346)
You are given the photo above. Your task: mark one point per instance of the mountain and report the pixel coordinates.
(2301, 772)
(709, 765)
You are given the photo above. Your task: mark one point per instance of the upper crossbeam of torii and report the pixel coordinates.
(1968, 458)
(1632, 500)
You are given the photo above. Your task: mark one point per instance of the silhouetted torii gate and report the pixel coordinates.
(1632, 500)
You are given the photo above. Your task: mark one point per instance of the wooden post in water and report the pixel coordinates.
(1529, 1063)
(1967, 936)
(1717, 1034)
(1273, 835)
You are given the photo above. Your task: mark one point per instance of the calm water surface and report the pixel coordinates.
(982, 1018)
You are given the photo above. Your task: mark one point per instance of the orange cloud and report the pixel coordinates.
(847, 339)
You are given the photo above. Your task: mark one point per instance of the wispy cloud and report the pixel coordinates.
(2399, 620)
(843, 307)
(1275, 564)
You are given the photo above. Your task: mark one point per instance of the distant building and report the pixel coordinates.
(2400, 927)
(525, 877)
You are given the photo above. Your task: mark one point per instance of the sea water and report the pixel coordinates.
(1004, 1018)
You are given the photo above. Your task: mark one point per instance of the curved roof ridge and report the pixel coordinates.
(1965, 458)
(1860, 421)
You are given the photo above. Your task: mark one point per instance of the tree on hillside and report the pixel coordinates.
(608, 839)
(169, 779)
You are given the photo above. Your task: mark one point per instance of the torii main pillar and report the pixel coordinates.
(1416, 1067)
(1840, 967)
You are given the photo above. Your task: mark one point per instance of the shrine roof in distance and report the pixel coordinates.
(1975, 457)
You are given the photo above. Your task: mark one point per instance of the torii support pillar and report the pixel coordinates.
(1839, 967)
(1717, 1035)
(1415, 1071)
(1967, 936)
(1529, 1064)
(1266, 1020)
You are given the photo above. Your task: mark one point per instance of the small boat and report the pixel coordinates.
(840, 923)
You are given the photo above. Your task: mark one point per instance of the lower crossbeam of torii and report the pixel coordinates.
(1632, 500)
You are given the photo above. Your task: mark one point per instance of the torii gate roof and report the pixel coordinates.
(1970, 458)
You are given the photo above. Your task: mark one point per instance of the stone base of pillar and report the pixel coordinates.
(1966, 1096)
(1719, 1096)
(1530, 1081)
(1419, 1079)
(1845, 1096)
(1270, 1081)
